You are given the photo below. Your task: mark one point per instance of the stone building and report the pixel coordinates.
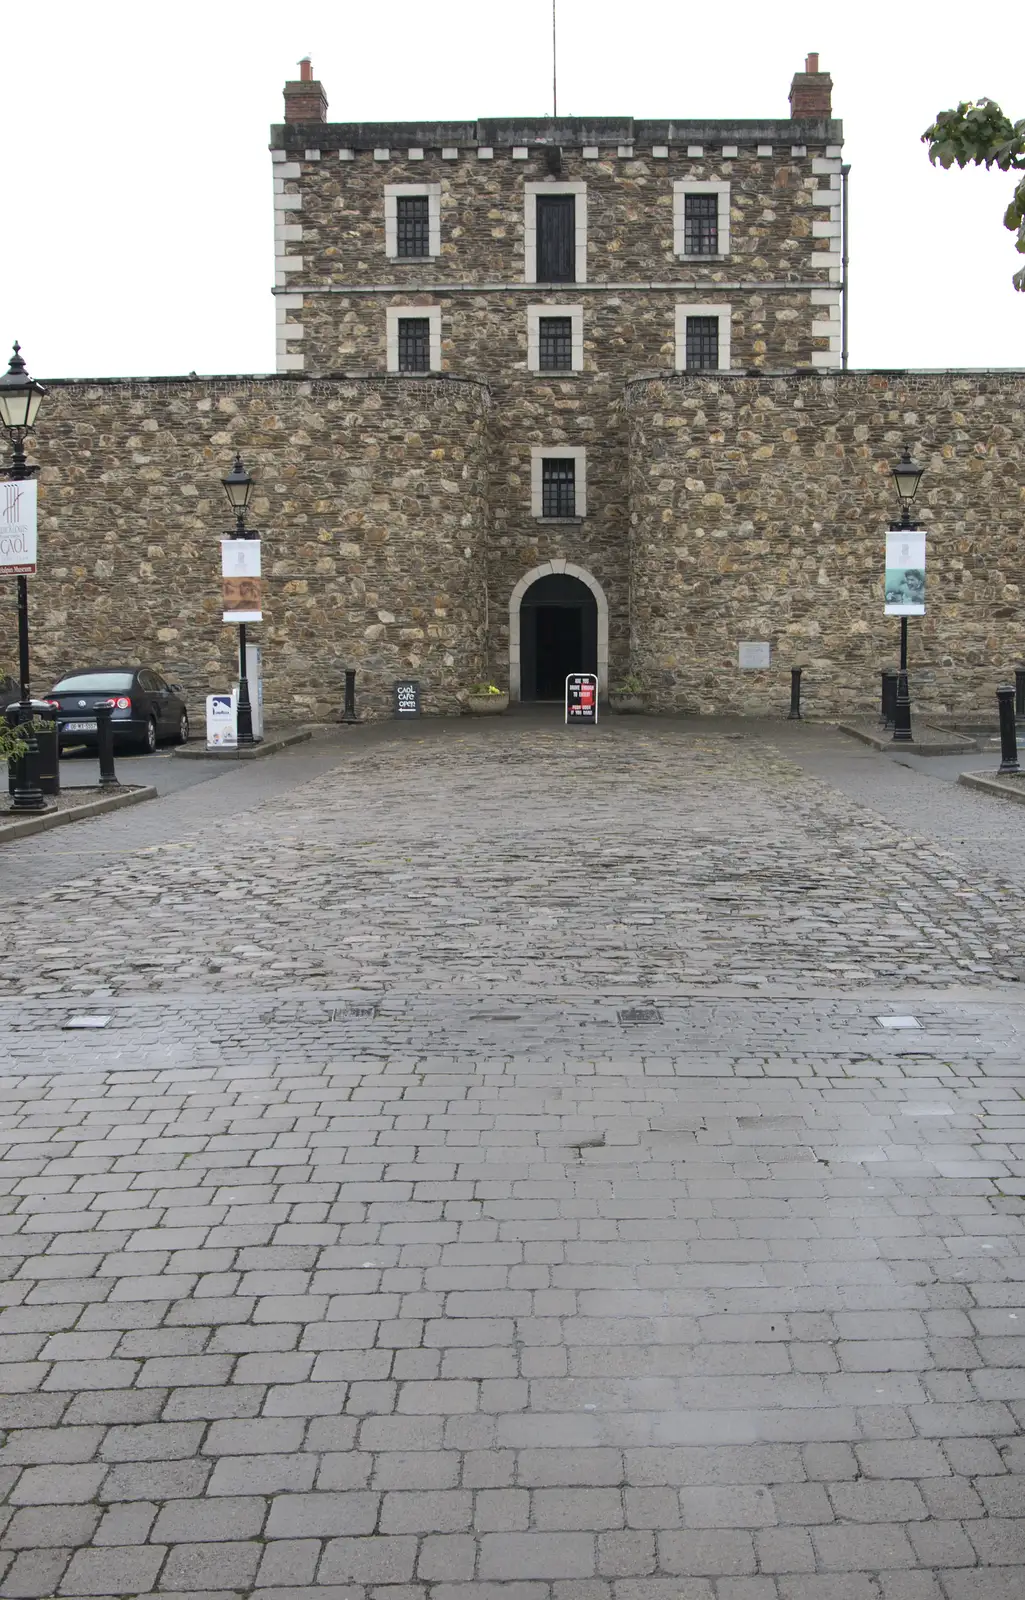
(552, 394)
(558, 259)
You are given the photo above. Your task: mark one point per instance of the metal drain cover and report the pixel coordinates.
(638, 1014)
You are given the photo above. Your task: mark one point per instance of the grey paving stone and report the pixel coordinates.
(704, 1552)
(998, 1541)
(202, 1566)
(156, 1480)
(784, 1550)
(902, 1458)
(35, 1573)
(33, 1446)
(57, 1485)
(626, 1553)
(126, 1524)
(239, 1517)
(892, 1501)
(864, 1547)
(536, 1555)
(734, 1506)
(426, 1511)
(300, 1516)
(36, 1526)
(160, 1441)
(289, 1563)
(263, 1474)
(375, 1561)
(118, 1569)
(447, 1558)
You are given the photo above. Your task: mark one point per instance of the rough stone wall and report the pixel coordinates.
(774, 202)
(371, 496)
(759, 508)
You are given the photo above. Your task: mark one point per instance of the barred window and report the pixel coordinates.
(555, 344)
(414, 344)
(701, 224)
(703, 344)
(558, 487)
(413, 225)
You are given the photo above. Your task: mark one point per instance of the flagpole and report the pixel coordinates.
(555, 94)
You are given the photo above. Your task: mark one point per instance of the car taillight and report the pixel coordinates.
(122, 703)
(54, 705)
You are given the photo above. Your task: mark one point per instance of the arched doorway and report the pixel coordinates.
(558, 623)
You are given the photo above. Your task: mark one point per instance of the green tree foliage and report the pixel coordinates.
(978, 134)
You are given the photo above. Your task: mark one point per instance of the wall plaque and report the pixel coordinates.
(754, 654)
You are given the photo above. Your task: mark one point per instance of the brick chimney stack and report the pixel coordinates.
(811, 93)
(305, 100)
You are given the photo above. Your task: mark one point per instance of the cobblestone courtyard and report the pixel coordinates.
(495, 1180)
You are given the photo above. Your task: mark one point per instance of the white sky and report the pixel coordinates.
(137, 194)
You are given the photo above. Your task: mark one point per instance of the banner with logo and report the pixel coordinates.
(904, 583)
(240, 576)
(18, 499)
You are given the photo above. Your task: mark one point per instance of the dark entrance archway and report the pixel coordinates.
(558, 635)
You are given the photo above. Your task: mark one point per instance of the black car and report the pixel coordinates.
(144, 708)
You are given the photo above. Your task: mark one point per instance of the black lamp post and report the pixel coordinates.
(238, 486)
(907, 475)
(20, 399)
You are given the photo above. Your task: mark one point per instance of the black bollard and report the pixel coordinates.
(1008, 736)
(349, 710)
(1019, 692)
(888, 702)
(795, 694)
(105, 747)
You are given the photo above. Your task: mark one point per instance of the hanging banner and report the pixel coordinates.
(18, 497)
(904, 583)
(240, 576)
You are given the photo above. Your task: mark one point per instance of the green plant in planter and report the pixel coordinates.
(12, 740)
(480, 689)
(630, 685)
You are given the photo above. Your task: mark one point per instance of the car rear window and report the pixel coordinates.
(94, 683)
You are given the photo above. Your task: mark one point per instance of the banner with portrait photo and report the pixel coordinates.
(240, 579)
(904, 582)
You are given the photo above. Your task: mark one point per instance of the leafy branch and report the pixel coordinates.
(979, 134)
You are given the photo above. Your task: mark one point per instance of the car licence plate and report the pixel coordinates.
(78, 727)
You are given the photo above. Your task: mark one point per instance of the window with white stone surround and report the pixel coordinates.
(540, 340)
(394, 236)
(531, 193)
(396, 315)
(704, 223)
(699, 316)
(558, 479)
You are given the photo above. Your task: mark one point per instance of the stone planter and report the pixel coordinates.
(628, 702)
(488, 705)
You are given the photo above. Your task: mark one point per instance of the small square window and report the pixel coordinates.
(413, 225)
(703, 344)
(701, 225)
(555, 344)
(414, 344)
(558, 487)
